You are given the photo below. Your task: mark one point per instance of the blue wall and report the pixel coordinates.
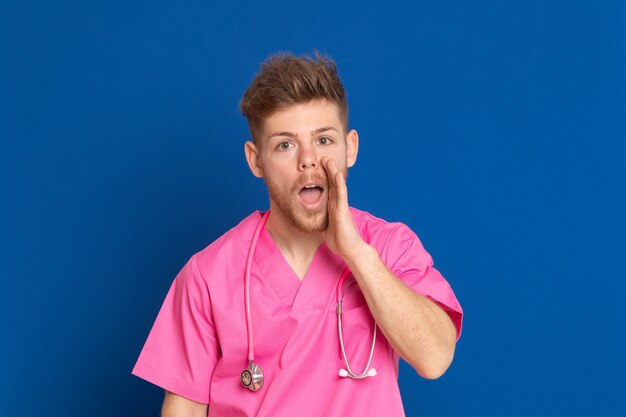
(496, 130)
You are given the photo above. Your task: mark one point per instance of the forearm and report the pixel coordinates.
(417, 328)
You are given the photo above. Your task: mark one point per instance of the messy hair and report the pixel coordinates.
(285, 80)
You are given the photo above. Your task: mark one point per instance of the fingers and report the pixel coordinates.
(342, 190)
(336, 180)
(330, 169)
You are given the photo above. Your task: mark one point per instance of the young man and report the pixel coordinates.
(312, 251)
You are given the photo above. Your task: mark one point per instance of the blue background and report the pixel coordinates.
(495, 130)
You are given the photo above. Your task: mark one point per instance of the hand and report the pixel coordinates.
(342, 236)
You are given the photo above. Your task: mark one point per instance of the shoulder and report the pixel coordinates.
(226, 255)
(378, 232)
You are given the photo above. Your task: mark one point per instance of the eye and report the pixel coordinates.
(284, 146)
(324, 140)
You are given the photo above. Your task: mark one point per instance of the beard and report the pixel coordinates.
(301, 219)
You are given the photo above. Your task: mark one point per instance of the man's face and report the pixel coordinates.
(291, 144)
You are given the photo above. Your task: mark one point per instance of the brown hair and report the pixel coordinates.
(284, 80)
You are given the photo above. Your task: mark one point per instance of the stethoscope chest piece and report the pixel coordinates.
(252, 377)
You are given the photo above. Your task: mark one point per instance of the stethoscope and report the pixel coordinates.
(252, 376)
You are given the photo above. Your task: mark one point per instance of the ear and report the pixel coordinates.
(352, 143)
(253, 158)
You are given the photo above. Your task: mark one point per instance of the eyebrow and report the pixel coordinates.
(313, 132)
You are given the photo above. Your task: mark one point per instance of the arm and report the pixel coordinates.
(177, 406)
(417, 328)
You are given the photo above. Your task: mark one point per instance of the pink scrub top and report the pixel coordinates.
(198, 345)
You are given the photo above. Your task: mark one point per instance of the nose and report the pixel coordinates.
(308, 159)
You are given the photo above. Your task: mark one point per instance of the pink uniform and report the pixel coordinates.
(198, 345)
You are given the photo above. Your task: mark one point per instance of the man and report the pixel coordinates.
(301, 146)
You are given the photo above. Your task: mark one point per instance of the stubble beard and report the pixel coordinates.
(301, 219)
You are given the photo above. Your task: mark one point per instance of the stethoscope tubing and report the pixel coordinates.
(253, 244)
(340, 293)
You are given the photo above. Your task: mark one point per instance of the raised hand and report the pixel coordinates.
(342, 236)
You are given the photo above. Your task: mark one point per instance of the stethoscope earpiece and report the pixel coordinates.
(370, 372)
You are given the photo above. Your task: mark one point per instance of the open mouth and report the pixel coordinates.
(311, 194)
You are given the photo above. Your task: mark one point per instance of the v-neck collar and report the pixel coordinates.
(318, 284)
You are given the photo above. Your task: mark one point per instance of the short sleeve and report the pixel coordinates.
(409, 261)
(182, 348)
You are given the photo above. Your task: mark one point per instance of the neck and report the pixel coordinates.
(295, 244)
